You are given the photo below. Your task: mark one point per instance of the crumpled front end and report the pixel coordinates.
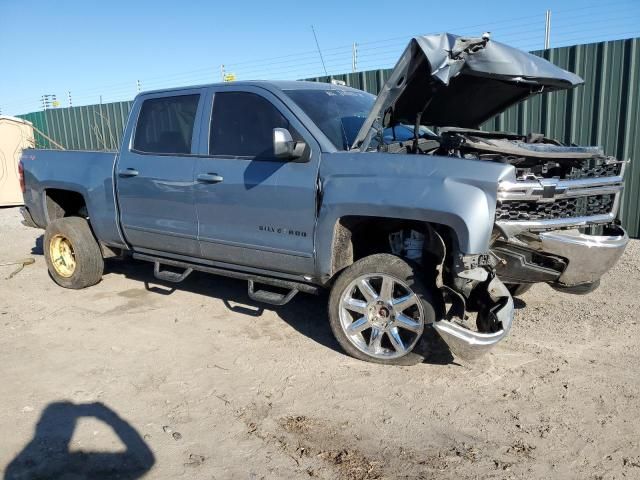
(561, 231)
(493, 320)
(555, 224)
(478, 306)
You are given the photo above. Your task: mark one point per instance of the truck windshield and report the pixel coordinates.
(338, 112)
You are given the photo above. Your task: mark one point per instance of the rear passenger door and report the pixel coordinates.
(253, 208)
(154, 174)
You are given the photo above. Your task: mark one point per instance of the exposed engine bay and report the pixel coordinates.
(534, 156)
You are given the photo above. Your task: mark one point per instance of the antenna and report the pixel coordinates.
(344, 132)
(319, 52)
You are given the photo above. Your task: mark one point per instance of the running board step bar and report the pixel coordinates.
(265, 296)
(168, 276)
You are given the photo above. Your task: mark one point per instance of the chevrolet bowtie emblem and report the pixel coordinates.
(549, 191)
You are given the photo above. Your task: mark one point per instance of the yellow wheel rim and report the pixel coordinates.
(62, 256)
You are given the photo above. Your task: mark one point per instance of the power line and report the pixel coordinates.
(570, 25)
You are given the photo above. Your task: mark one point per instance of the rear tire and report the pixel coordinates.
(73, 256)
(379, 308)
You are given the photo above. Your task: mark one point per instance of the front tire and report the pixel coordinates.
(378, 310)
(72, 253)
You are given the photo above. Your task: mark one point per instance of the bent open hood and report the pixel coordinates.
(459, 82)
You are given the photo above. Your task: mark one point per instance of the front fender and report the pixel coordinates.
(460, 194)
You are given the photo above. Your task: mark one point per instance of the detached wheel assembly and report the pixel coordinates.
(378, 309)
(72, 253)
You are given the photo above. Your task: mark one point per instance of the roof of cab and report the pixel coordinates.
(268, 84)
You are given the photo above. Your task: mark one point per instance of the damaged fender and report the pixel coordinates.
(458, 193)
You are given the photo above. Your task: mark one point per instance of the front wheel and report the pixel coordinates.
(378, 310)
(72, 253)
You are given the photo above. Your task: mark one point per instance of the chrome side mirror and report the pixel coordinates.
(284, 147)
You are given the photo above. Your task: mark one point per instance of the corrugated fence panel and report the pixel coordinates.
(89, 127)
(629, 138)
(605, 111)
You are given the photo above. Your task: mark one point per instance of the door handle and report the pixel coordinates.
(129, 172)
(209, 178)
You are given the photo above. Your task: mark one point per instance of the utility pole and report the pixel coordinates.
(138, 86)
(222, 72)
(547, 30)
(49, 100)
(354, 57)
(69, 98)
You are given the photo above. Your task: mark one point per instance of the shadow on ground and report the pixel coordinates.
(307, 314)
(37, 248)
(48, 454)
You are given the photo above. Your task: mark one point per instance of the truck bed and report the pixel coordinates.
(88, 173)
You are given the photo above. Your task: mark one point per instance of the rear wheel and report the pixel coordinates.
(378, 310)
(72, 253)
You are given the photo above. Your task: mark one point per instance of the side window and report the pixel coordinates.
(242, 125)
(165, 125)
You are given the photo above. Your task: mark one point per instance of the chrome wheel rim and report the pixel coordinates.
(63, 257)
(381, 316)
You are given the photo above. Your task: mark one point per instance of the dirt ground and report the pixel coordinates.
(132, 379)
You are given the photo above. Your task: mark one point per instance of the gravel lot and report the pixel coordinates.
(131, 378)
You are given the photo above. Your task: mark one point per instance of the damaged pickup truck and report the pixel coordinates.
(410, 215)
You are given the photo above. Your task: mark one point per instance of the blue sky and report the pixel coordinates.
(93, 48)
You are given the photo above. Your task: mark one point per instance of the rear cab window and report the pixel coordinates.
(165, 125)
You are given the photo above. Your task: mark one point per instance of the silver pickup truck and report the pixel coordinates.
(410, 215)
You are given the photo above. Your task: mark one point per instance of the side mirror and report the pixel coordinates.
(284, 147)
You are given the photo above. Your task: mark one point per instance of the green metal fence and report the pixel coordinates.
(91, 127)
(604, 111)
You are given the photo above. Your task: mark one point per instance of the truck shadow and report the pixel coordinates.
(38, 248)
(307, 314)
(48, 454)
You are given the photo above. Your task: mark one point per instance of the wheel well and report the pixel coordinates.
(64, 203)
(356, 237)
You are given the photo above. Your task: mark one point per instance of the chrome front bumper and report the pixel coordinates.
(469, 344)
(589, 256)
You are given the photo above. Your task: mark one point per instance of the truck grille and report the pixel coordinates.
(531, 210)
(595, 168)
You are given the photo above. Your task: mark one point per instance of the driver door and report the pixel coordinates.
(253, 208)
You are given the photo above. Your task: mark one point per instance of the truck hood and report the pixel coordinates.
(457, 81)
